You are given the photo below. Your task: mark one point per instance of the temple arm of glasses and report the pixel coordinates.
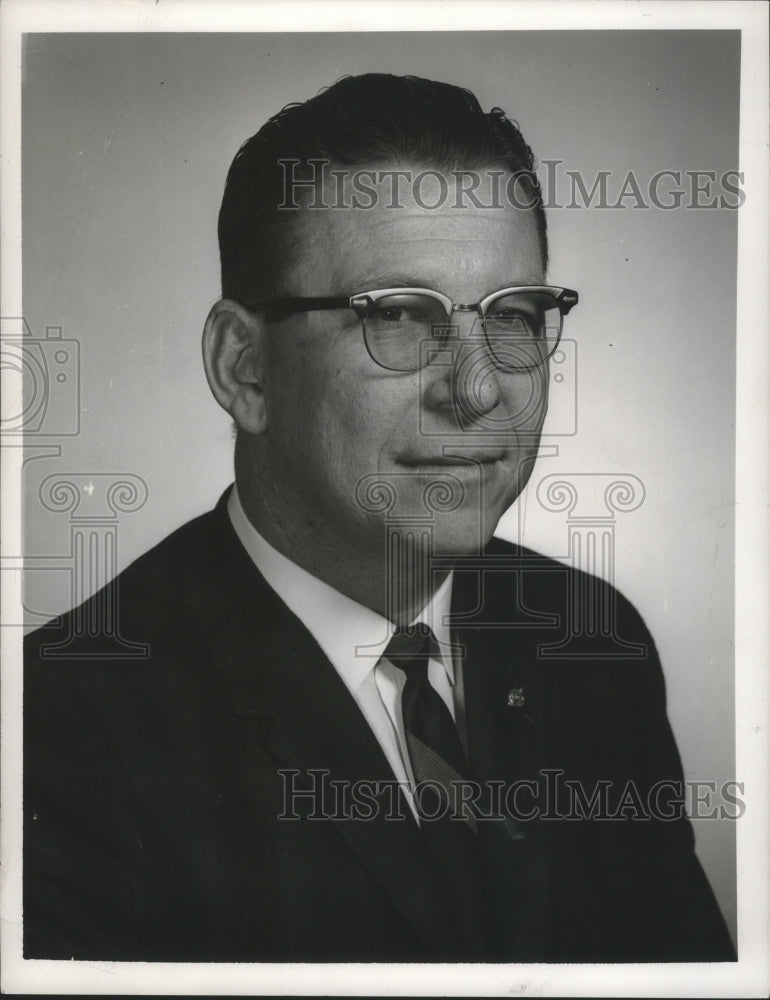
(310, 304)
(567, 298)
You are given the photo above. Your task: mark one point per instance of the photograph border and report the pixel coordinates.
(748, 976)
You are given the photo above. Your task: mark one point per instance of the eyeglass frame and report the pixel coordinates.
(362, 303)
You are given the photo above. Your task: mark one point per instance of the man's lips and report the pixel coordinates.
(451, 461)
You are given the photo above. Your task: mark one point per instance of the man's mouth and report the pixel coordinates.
(451, 461)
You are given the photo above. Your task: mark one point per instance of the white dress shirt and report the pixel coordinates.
(354, 637)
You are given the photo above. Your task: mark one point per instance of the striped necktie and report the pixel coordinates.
(439, 768)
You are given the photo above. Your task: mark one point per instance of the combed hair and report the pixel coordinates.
(376, 118)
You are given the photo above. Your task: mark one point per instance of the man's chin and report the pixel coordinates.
(440, 510)
(464, 535)
(434, 489)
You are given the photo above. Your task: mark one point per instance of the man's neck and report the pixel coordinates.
(395, 579)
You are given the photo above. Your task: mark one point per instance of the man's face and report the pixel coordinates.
(339, 424)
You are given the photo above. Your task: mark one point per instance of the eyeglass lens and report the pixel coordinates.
(522, 330)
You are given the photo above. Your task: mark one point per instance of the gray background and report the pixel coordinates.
(126, 143)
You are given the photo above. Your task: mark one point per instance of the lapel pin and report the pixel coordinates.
(516, 698)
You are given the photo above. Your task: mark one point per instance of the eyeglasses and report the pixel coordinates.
(403, 328)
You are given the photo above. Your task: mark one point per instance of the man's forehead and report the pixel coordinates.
(406, 188)
(381, 243)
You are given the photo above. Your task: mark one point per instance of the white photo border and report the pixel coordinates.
(749, 976)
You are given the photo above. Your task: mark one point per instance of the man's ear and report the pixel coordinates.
(234, 345)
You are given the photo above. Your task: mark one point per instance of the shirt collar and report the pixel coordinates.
(352, 636)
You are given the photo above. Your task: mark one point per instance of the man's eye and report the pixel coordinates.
(390, 314)
(511, 313)
(514, 320)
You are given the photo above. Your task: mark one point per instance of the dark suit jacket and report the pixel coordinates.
(152, 784)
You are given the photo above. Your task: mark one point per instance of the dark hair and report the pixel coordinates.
(358, 121)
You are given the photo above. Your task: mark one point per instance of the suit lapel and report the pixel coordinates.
(505, 744)
(271, 666)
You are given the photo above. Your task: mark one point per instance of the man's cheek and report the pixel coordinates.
(526, 403)
(362, 427)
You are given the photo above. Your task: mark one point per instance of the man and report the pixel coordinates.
(348, 740)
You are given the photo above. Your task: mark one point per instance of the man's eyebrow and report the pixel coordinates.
(398, 280)
(390, 279)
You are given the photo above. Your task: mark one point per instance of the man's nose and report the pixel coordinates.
(465, 376)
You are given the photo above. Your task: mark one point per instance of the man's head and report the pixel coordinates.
(362, 121)
(335, 436)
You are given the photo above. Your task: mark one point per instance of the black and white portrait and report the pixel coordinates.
(380, 415)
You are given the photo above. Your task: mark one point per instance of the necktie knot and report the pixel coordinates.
(409, 648)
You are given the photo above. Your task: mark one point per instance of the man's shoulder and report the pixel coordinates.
(134, 660)
(152, 602)
(545, 573)
(596, 619)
